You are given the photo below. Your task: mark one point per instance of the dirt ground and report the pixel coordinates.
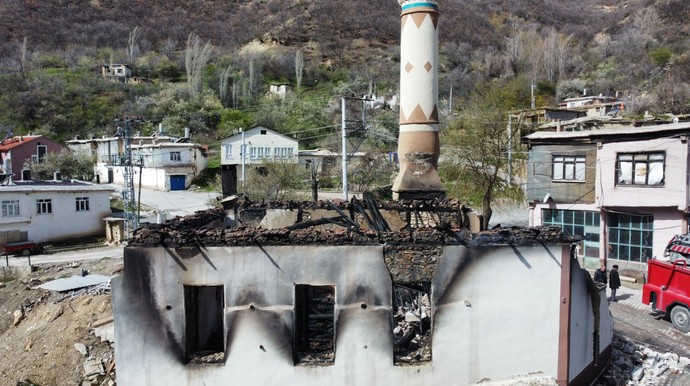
(40, 348)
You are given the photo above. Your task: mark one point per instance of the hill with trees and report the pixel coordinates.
(210, 63)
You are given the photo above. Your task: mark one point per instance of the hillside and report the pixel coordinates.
(52, 52)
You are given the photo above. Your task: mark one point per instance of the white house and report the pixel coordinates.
(52, 210)
(166, 163)
(260, 144)
(165, 166)
(250, 148)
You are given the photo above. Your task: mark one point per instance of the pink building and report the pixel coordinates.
(14, 151)
(624, 190)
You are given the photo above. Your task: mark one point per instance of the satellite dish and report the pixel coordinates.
(547, 197)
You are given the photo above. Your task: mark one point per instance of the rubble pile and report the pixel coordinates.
(412, 331)
(634, 364)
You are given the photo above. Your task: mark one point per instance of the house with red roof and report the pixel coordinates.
(16, 150)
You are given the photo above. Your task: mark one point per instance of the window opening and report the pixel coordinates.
(10, 208)
(585, 224)
(41, 151)
(411, 324)
(569, 168)
(44, 206)
(175, 156)
(630, 237)
(82, 204)
(640, 169)
(204, 330)
(314, 325)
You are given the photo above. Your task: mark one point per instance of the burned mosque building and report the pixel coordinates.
(362, 292)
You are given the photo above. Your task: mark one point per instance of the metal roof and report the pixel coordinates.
(74, 282)
(619, 131)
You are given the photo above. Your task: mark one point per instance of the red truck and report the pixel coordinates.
(668, 290)
(22, 248)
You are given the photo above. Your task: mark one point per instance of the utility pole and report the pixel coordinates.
(510, 148)
(359, 128)
(532, 101)
(125, 132)
(343, 120)
(243, 155)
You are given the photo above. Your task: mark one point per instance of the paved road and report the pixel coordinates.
(65, 257)
(174, 203)
(635, 320)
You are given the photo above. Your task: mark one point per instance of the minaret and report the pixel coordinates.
(418, 144)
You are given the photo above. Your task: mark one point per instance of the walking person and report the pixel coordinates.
(614, 282)
(600, 275)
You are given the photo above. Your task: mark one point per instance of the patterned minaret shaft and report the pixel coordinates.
(418, 144)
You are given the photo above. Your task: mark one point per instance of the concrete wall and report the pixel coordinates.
(64, 221)
(152, 178)
(254, 138)
(497, 313)
(540, 170)
(674, 192)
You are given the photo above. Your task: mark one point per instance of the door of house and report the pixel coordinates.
(111, 177)
(177, 182)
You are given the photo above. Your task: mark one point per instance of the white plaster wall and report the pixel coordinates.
(65, 221)
(675, 189)
(513, 317)
(667, 223)
(254, 138)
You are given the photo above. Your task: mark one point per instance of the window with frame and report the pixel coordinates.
(82, 204)
(568, 168)
(577, 223)
(44, 206)
(10, 208)
(630, 237)
(640, 169)
(253, 153)
(228, 151)
(41, 152)
(175, 156)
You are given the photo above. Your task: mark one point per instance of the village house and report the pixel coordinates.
(623, 190)
(17, 150)
(352, 293)
(279, 90)
(165, 163)
(250, 148)
(168, 165)
(43, 211)
(595, 105)
(116, 72)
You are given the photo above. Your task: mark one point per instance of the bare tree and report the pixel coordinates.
(133, 45)
(196, 56)
(23, 59)
(299, 69)
(223, 86)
